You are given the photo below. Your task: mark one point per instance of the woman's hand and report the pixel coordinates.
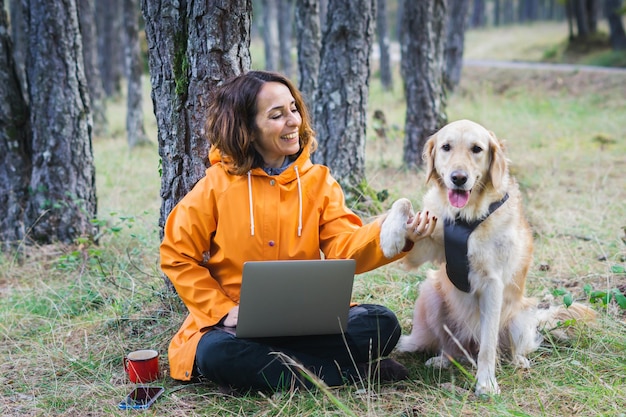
(420, 226)
(231, 317)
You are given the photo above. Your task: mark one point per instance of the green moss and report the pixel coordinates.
(181, 64)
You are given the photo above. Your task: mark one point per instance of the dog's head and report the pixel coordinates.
(464, 157)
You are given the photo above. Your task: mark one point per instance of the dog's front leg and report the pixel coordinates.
(490, 304)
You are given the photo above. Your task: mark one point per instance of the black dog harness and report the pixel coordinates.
(455, 235)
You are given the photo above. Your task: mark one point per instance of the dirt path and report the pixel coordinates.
(540, 66)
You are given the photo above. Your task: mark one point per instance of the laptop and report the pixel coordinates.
(295, 298)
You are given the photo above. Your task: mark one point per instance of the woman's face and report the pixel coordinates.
(278, 123)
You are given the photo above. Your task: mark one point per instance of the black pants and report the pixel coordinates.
(249, 364)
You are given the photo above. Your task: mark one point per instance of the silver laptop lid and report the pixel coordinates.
(295, 298)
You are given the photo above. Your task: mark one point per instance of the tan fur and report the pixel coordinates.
(496, 316)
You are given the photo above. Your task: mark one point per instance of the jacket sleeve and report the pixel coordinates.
(344, 236)
(185, 244)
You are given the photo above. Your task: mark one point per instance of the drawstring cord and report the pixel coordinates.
(299, 202)
(250, 201)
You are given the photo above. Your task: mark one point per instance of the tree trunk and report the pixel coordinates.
(455, 42)
(508, 12)
(18, 36)
(309, 45)
(135, 132)
(285, 33)
(87, 20)
(582, 20)
(386, 77)
(190, 51)
(422, 44)
(110, 28)
(62, 203)
(593, 9)
(617, 36)
(270, 34)
(569, 13)
(341, 100)
(478, 14)
(497, 13)
(14, 147)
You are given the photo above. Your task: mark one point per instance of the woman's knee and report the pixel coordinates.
(378, 324)
(214, 350)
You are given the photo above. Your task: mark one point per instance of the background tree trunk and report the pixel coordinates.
(455, 42)
(14, 149)
(422, 43)
(508, 12)
(270, 33)
(285, 33)
(87, 21)
(191, 50)
(135, 132)
(309, 44)
(497, 12)
(110, 28)
(62, 185)
(386, 77)
(617, 36)
(479, 16)
(582, 20)
(341, 99)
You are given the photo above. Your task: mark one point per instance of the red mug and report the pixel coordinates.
(142, 366)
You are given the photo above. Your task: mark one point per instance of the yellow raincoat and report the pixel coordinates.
(227, 219)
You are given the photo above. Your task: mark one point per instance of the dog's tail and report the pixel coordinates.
(561, 321)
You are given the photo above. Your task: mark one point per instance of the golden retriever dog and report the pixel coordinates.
(474, 306)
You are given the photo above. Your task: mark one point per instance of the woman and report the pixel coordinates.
(263, 199)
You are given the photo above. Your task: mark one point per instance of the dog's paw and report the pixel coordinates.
(520, 361)
(393, 230)
(406, 344)
(487, 387)
(440, 362)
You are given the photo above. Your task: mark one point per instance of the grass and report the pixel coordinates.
(68, 315)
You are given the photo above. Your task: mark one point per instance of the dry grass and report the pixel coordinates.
(69, 314)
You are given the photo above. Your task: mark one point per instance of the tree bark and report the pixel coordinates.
(422, 43)
(455, 42)
(309, 44)
(582, 20)
(18, 37)
(285, 33)
(110, 28)
(135, 132)
(270, 34)
(87, 21)
(14, 147)
(386, 77)
(62, 203)
(192, 47)
(341, 100)
(617, 37)
(479, 16)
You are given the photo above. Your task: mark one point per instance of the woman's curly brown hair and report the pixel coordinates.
(231, 126)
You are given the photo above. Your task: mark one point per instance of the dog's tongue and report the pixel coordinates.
(458, 198)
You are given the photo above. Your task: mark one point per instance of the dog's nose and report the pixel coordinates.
(458, 177)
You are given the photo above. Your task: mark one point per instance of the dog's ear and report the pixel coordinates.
(498, 168)
(429, 157)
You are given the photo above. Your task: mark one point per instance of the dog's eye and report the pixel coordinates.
(446, 147)
(477, 149)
